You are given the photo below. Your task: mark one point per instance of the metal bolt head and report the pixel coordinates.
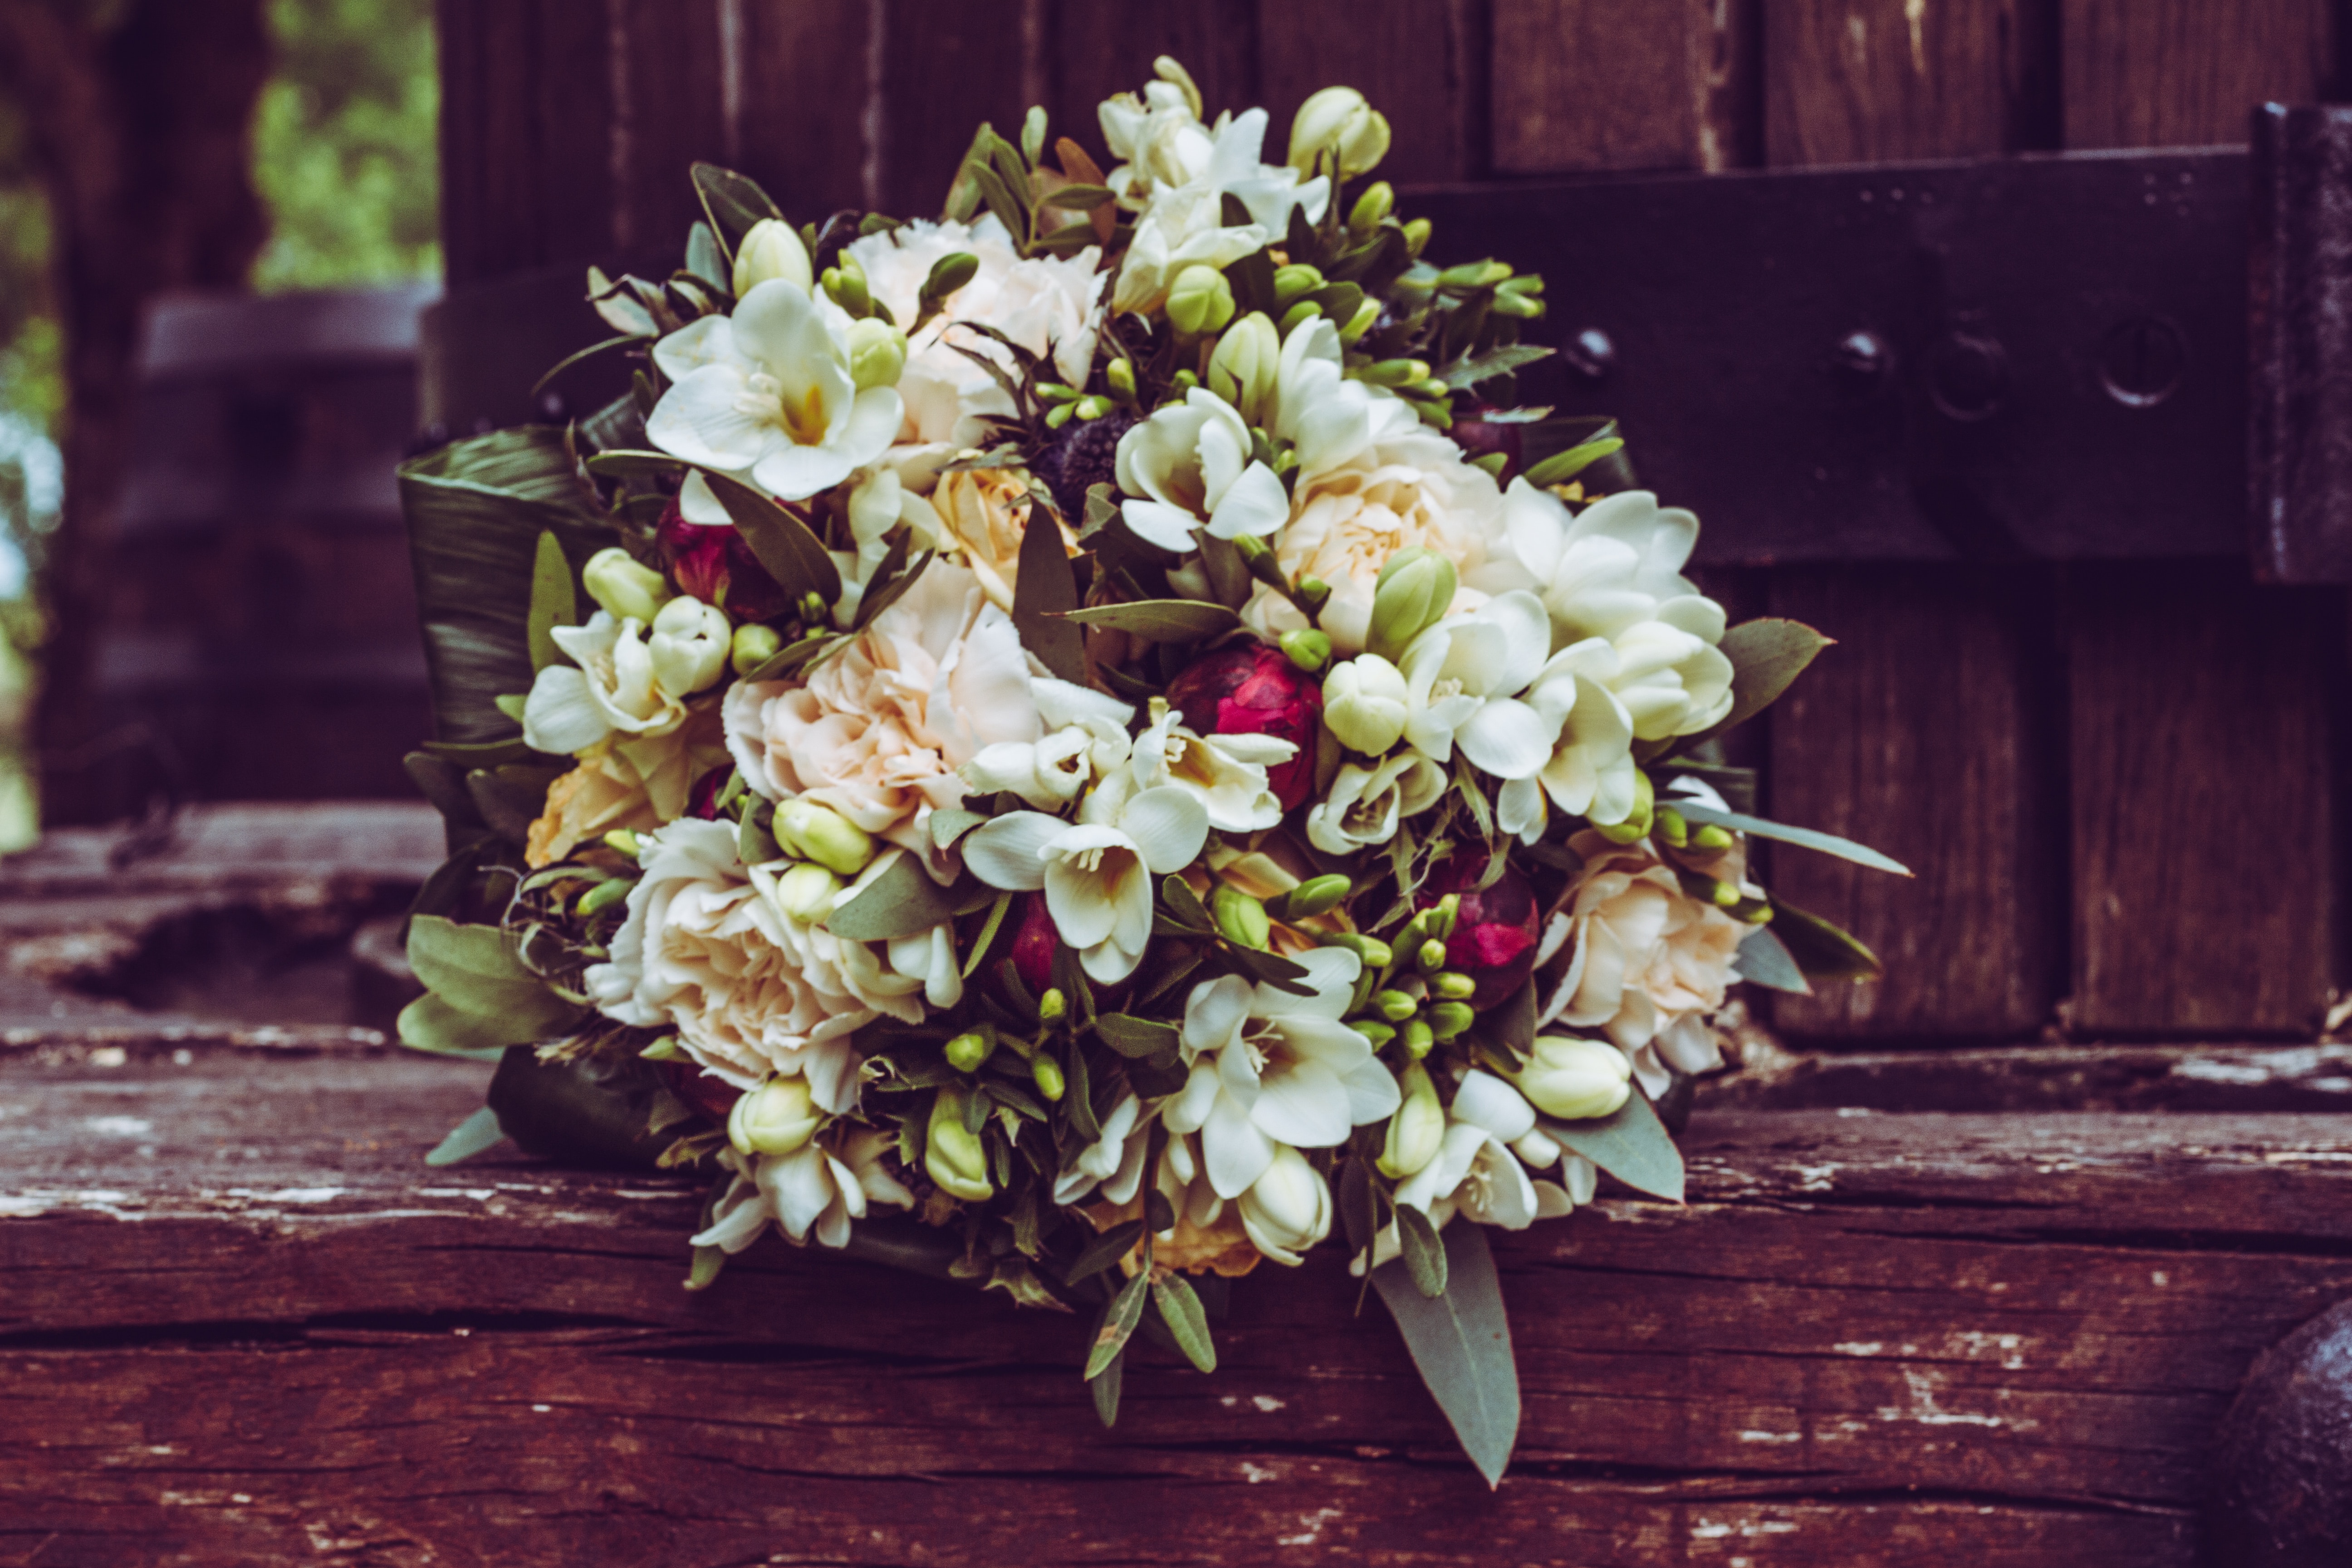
(1862, 362)
(1967, 375)
(1589, 353)
(2143, 361)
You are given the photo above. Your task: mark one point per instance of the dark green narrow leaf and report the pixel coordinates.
(1423, 1249)
(1820, 950)
(1764, 958)
(1631, 1144)
(782, 541)
(1132, 1037)
(1105, 1250)
(980, 944)
(1803, 838)
(1180, 1309)
(1184, 905)
(469, 1138)
(733, 203)
(1105, 1387)
(1162, 620)
(623, 341)
(1461, 1341)
(1045, 591)
(1562, 467)
(552, 603)
(1125, 1311)
(1359, 1204)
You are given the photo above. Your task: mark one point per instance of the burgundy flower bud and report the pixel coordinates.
(702, 800)
(1495, 931)
(709, 1096)
(1033, 939)
(1254, 690)
(714, 564)
(1477, 437)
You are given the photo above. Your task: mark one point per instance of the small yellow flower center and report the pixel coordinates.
(762, 398)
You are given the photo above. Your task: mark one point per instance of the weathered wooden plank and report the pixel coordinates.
(1867, 1339)
(1625, 84)
(1422, 65)
(944, 65)
(1092, 51)
(574, 87)
(2200, 702)
(797, 77)
(1918, 735)
(1921, 738)
(668, 80)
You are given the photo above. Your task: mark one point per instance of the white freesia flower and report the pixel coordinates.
(1462, 677)
(1271, 1069)
(1050, 772)
(749, 990)
(766, 393)
(689, 644)
(1225, 773)
(1044, 303)
(1591, 771)
(1096, 872)
(1190, 464)
(1184, 223)
(1364, 703)
(879, 505)
(1329, 420)
(1476, 1173)
(1365, 804)
(1287, 1209)
(811, 1188)
(614, 683)
(1157, 139)
(1113, 1163)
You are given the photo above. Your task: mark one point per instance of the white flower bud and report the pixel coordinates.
(1416, 588)
(952, 1156)
(627, 591)
(806, 892)
(821, 834)
(690, 646)
(1575, 1080)
(1287, 1209)
(1417, 1130)
(771, 249)
(776, 1118)
(1200, 301)
(1340, 121)
(1242, 369)
(877, 353)
(1364, 703)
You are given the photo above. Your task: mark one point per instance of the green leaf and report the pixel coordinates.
(553, 602)
(629, 463)
(792, 656)
(1424, 1250)
(623, 341)
(1803, 838)
(733, 203)
(706, 259)
(1181, 1309)
(1185, 905)
(1765, 959)
(905, 1245)
(430, 1025)
(563, 1111)
(1104, 1251)
(1631, 1143)
(780, 541)
(1045, 593)
(470, 1137)
(878, 599)
(443, 782)
(478, 969)
(1461, 1342)
(1766, 657)
(902, 901)
(1133, 1037)
(1079, 199)
(1820, 949)
(1104, 1388)
(951, 823)
(1562, 467)
(488, 754)
(1502, 359)
(510, 796)
(1118, 1324)
(1161, 620)
(987, 936)
(476, 509)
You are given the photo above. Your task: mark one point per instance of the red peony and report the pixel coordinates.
(1033, 940)
(1495, 931)
(1254, 690)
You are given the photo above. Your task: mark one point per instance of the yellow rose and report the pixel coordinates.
(625, 782)
(985, 512)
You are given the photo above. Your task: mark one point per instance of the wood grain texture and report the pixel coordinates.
(1418, 62)
(1625, 84)
(1093, 50)
(946, 64)
(253, 1330)
(2161, 73)
(2202, 704)
(1918, 735)
(801, 126)
(1880, 81)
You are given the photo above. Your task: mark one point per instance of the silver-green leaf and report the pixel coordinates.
(1461, 1342)
(1631, 1144)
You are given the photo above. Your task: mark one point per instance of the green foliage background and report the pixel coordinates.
(344, 156)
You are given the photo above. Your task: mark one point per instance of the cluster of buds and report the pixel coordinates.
(1408, 994)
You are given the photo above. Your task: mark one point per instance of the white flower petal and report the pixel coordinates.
(1008, 851)
(1507, 738)
(1234, 1151)
(1255, 504)
(702, 420)
(562, 715)
(1485, 1100)
(1168, 825)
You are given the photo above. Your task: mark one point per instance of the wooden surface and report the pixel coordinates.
(1624, 84)
(241, 1326)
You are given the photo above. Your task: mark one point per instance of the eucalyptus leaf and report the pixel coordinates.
(1161, 620)
(1803, 838)
(1078, 198)
(706, 259)
(510, 796)
(906, 1245)
(779, 541)
(567, 1110)
(1133, 1037)
(479, 970)
(1766, 657)
(733, 203)
(1104, 1251)
(1105, 1387)
(1820, 950)
(878, 599)
(430, 1025)
(1181, 1309)
(792, 656)
(475, 1135)
(951, 823)
(1118, 1324)
(1502, 359)
(1631, 1143)
(1424, 1250)
(1461, 1343)
(552, 603)
(1045, 593)
(1764, 958)
(443, 782)
(902, 901)
(1185, 906)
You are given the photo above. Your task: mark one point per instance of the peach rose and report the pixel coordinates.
(984, 513)
(626, 782)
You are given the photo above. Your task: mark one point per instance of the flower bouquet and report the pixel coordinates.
(1085, 745)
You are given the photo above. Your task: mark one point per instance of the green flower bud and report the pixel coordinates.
(1417, 1128)
(1376, 954)
(625, 591)
(877, 353)
(1711, 838)
(1416, 236)
(846, 284)
(1418, 1038)
(776, 1118)
(1447, 1019)
(1299, 315)
(771, 249)
(1093, 406)
(1636, 826)
(1310, 650)
(1364, 703)
(1338, 121)
(1200, 301)
(1046, 1074)
(1242, 369)
(1315, 896)
(1395, 1006)
(1120, 374)
(1053, 1005)
(1519, 306)
(1374, 1030)
(1291, 281)
(1057, 417)
(1182, 381)
(621, 841)
(753, 645)
(955, 1157)
(1396, 371)
(1367, 316)
(1575, 1080)
(949, 273)
(1312, 593)
(1452, 986)
(806, 892)
(1241, 918)
(1670, 825)
(1415, 590)
(821, 834)
(1439, 917)
(1378, 200)
(1432, 956)
(969, 1050)
(603, 895)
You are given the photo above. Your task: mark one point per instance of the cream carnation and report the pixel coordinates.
(1647, 964)
(1046, 304)
(877, 729)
